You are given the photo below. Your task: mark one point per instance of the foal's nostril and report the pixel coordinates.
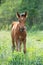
(22, 28)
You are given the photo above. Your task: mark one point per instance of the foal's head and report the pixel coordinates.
(22, 18)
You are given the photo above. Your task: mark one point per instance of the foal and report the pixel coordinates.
(18, 32)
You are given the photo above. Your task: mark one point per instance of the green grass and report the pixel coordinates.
(34, 55)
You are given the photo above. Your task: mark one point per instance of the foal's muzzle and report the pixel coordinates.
(21, 29)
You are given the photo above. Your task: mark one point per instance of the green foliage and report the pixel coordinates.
(8, 9)
(18, 58)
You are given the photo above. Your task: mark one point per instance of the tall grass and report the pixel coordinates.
(33, 56)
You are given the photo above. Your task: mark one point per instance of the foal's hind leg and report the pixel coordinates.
(12, 36)
(13, 45)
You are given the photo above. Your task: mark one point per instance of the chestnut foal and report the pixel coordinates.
(18, 32)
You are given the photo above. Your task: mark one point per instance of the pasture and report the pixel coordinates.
(33, 56)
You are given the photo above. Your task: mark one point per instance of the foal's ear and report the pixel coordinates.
(26, 14)
(18, 15)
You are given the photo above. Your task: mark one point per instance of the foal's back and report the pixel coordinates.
(14, 24)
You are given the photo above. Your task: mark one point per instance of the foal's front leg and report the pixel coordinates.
(24, 43)
(18, 45)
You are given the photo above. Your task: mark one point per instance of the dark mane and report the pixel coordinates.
(22, 14)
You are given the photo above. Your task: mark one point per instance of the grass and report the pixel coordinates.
(34, 55)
